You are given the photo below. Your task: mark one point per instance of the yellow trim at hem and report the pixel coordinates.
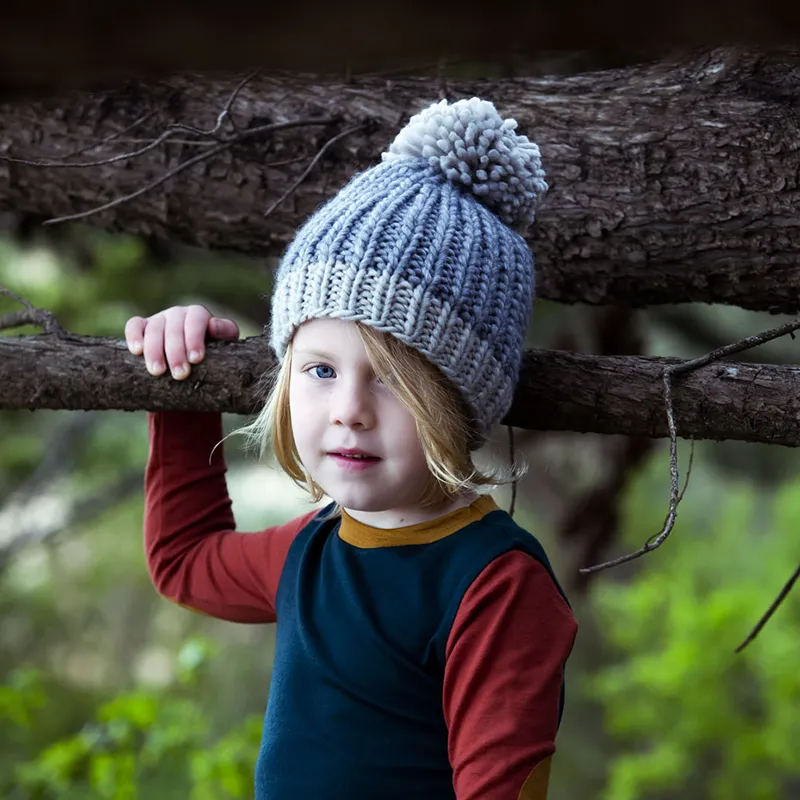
(535, 786)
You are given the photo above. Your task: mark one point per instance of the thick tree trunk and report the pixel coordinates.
(52, 43)
(669, 183)
(556, 391)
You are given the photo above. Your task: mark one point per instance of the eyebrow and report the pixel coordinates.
(314, 354)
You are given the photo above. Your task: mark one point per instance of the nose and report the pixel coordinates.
(352, 405)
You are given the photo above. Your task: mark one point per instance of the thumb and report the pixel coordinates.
(219, 328)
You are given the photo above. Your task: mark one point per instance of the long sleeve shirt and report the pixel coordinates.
(425, 661)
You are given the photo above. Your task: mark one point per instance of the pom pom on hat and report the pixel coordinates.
(476, 149)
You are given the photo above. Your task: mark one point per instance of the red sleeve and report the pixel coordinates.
(194, 555)
(505, 656)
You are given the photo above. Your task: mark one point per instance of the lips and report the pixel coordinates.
(353, 460)
(353, 453)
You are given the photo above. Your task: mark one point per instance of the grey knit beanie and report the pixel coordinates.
(427, 247)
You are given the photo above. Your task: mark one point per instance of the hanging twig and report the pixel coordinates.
(512, 461)
(771, 610)
(655, 542)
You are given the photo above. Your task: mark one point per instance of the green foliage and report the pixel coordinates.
(139, 739)
(85, 714)
(88, 707)
(20, 698)
(694, 716)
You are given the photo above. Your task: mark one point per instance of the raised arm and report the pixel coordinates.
(195, 556)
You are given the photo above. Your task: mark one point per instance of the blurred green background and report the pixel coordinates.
(109, 691)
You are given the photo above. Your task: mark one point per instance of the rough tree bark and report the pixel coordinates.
(557, 390)
(670, 183)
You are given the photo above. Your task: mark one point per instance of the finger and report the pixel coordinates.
(221, 328)
(134, 335)
(154, 344)
(195, 327)
(175, 343)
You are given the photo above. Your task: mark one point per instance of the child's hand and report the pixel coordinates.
(176, 338)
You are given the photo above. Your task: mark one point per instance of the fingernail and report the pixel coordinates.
(194, 357)
(155, 367)
(135, 348)
(180, 372)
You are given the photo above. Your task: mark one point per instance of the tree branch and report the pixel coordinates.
(557, 390)
(30, 315)
(654, 197)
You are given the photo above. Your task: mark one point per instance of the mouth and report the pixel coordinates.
(352, 452)
(353, 459)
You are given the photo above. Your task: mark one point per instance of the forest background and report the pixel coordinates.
(108, 691)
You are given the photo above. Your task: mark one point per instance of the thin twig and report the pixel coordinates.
(167, 134)
(311, 166)
(172, 129)
(688, 472)
(748, 343)
(112, 137)
(16, 319)
(224, 114)
(674, 497)
(683, 491)
(512, 461)
(654, 542)
(185, 142)
(30, 316)
(248, 134)
(232, 99)
(284, 162)
(771, 610)
(142, 190)
(22, 300)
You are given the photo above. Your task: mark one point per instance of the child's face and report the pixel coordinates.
(339, 406)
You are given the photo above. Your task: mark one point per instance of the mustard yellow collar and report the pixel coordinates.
(360, 535)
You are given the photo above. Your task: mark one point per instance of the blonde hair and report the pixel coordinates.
(442, 419)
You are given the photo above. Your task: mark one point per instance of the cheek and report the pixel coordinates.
(403, 425)
(299, 414)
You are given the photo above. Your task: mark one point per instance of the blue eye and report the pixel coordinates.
(323, 372)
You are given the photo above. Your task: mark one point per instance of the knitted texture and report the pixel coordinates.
(420, 246)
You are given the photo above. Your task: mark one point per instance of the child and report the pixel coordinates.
(422, 635)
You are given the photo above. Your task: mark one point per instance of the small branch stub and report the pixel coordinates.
(30, 315)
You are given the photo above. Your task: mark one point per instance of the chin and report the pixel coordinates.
(356, 504)
(356, 501)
